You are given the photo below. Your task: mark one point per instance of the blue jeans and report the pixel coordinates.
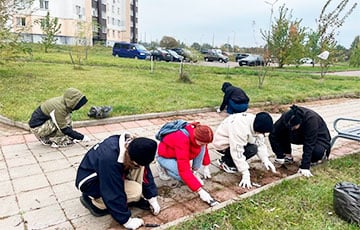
(232, 107)
(170, 164)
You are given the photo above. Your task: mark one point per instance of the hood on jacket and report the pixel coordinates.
(225, 85)
(74, 99)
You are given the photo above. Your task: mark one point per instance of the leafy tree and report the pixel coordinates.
(11, 46)
(285, 38)
(312, 46)
(169, 42)
(296, 38)
(328, 23)
(196, 46)
(50, 27)
(355, 52)
(206, 46)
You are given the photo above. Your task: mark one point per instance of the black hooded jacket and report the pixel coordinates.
(312, 131)
(234, 93)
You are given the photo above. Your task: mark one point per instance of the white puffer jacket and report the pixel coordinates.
(236, 131)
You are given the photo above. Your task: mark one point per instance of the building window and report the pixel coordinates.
(20, 21)
(44, 4)
(78, 11)
(94, 12)
(21, 5)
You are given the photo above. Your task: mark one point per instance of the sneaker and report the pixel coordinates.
(225, 167)
(86, 201)
(45, 141)
(286, 160)
(142, 204)
(163, 175)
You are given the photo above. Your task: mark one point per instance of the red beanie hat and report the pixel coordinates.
(203, 133)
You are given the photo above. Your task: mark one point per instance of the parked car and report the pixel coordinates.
(240, 56)
(175, 56)
(215, 56)
(252, 60)
(130, 50)
(187, 54)
(159, 54)
(306, 60)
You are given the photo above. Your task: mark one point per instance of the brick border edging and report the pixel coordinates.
(79, 124)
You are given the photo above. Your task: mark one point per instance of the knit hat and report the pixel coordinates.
(142, 150)
(263, 123)
(203, 133)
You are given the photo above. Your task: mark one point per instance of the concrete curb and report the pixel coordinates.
(111, 120)
(226, 203)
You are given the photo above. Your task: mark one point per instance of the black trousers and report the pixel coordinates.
(250, 151)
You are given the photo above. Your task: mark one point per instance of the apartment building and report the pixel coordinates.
(95, 21)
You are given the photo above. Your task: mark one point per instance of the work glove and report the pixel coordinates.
(205, 196)
(305, 172)
(86, 139)
(133, 223)
(245, 181)
(268, 165)
(218, 110)
(197, 175)
(155, 207)
(206, 172)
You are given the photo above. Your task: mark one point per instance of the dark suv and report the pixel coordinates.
(252, 60)
(215, 56)
(159, 54)
(238, 57)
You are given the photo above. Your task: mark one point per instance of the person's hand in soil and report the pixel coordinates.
(245, 181)
(268, 165)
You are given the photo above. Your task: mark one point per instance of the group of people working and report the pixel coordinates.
(115, 173)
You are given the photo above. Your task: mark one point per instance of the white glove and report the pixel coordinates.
(206, 172)
(245, 181)
(196, 174)
(305, 172)
(218, 110)
(268, 165)
(133, 223)
(205, 196)
(86, 138)
(154, 205)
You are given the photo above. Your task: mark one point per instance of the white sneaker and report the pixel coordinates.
(162, 172)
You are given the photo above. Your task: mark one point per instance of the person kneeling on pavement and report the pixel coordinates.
(178, 148)
(301, 126)
(115, 175)
(238, 138)
(51, 122)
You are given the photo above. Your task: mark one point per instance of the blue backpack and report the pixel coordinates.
(171, 127)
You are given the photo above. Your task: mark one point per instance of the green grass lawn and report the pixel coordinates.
(130, 87)
(300, 203)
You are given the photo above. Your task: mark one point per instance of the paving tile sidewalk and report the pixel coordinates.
(37, 185)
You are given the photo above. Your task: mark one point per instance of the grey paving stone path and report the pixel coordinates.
(37, 182)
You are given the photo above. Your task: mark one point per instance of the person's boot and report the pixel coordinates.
(142, 204)
(87, 202)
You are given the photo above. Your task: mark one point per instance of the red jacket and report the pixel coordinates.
(184, 149)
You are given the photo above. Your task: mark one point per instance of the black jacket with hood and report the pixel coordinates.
(234, 93)
(312, 131)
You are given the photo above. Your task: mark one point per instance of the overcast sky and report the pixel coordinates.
(238, 22)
